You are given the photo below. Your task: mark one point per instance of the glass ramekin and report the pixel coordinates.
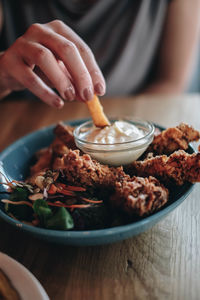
(115, 154)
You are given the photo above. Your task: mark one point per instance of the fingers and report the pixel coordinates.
(69, 54)
(98, 81)
(52, 55)
(37, 54)
(23, 74)
(75, 54)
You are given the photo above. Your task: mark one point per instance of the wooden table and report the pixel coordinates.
(163, 263)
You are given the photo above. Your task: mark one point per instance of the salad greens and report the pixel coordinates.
(60, 220)
(22, 212)
(59, 206)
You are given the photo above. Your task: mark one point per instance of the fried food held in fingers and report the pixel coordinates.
(97, 113)
(179, 167)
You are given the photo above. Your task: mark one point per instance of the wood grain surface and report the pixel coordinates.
(162, 263)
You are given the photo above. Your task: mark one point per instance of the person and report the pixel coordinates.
(79, 48)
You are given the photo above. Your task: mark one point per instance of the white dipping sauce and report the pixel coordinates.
(118, 132)
(118, 144)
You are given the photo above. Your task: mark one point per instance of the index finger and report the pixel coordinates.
(67, 52)
(86, 54)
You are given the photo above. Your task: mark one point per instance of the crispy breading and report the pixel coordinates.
(47, 157)
(179, 167)
(173, 139)
(140, 196)
(82, 170)
(44, 159)
(58, 163)
(136, 196)
(58, 147)
(65, 134)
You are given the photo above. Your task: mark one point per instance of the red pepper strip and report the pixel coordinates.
(52, 190)
(91, 201)
(66, 192)
(71, 188)
(69, 206)
(75, 188)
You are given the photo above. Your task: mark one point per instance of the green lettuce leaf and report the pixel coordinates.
(61, 220)
(21, 212)
(42, 210)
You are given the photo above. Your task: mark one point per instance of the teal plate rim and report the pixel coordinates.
(90, 237)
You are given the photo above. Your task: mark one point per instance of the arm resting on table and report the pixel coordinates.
(177, 47)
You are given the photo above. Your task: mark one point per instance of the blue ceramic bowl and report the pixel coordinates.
(16, 160)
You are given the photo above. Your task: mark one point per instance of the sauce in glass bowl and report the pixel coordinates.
(124, 141)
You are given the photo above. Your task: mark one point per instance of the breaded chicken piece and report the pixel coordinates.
(65, 134)
(179, 167)
(82, 170)
(50, 157)
(47, 157)
(173, 139)
(135, 196)
(58, 148)
(140, 196)
(44, 159)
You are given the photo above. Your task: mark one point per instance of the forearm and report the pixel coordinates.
(177, 47)
(163, 87)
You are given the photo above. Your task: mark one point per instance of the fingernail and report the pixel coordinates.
(88, 94)
(99, 89)
(70, 93)
(58, 103)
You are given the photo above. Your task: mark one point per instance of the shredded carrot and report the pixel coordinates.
(7, 183)
(66, 192)
(61, 185)
(71, 187)
(17, 182)
(91, 201)
(17, 203)
(76, 188)
(69, 206)
(52, 190)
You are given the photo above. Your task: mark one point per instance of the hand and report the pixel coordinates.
(51, 56)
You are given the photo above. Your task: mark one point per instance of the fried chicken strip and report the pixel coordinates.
(173, 139)
(82, 170)
(136, 196)
(48, 158)
(179, 167)
(51, 157)
(44, 159)
(65, 134)
(140, 196)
